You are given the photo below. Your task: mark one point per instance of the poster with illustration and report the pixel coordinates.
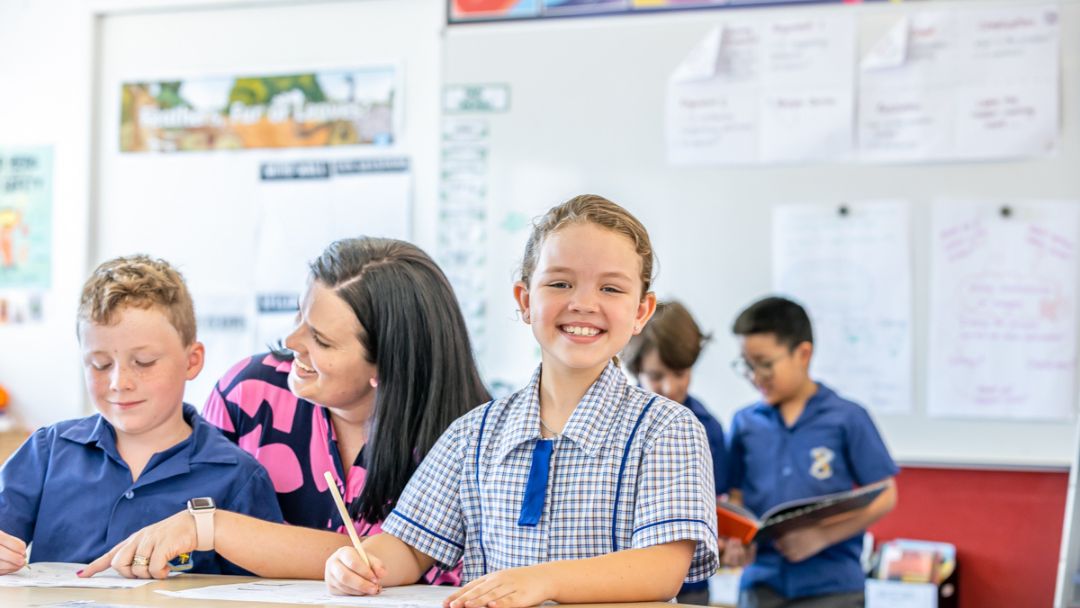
(344, 107)
(25, 218)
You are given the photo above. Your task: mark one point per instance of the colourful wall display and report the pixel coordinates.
(465, 11)
(325, 108)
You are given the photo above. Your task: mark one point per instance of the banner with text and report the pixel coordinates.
(326, 108)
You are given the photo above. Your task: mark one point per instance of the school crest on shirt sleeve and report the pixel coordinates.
(821, 465)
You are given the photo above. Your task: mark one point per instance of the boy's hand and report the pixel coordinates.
(802, 544)
(347, 574)
(511, 588)
(12, 553)
(737, 555)
(158, 542)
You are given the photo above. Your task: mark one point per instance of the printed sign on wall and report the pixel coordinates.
(326, 108)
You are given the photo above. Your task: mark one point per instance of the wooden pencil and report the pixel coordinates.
(345, 517)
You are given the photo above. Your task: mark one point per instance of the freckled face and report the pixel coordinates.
(135, 370)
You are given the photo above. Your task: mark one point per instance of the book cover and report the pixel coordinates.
(738, 522)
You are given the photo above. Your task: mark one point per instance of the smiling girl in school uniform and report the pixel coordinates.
(578, 488)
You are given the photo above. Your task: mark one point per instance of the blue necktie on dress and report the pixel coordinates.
(532, 506)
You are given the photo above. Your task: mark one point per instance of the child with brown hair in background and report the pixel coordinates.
(662, 358)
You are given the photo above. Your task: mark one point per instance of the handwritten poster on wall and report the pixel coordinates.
(850, 266)
(1003, 309)
(761, 91)
(964, 84)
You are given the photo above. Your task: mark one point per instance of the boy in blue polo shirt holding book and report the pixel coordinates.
(801, 440)
(79, 487)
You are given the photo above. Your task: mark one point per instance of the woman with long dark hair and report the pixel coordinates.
(377, 368)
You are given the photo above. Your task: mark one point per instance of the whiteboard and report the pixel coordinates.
(586, 115)
(202, 211)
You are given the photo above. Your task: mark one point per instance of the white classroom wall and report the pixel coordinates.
(48, 57)
(45, 84)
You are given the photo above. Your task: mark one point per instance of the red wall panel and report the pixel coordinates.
(1006, 526)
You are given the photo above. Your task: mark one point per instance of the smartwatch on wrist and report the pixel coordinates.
(202, 509)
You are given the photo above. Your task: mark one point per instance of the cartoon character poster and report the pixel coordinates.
(25, 218)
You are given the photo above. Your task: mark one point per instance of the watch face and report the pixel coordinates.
(202, 503)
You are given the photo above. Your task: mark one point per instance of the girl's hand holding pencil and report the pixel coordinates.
(350, 569)
(347, 574)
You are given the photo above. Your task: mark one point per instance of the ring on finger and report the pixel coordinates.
(140, 560)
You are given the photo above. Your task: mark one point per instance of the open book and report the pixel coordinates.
(736, 522)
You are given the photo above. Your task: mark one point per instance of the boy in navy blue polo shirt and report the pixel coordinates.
(800, 440)
(79, 487)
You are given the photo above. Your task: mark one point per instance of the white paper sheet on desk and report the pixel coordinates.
(59, 574)
(315, 592)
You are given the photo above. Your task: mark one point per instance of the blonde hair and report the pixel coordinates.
(590, 209)
(138, 281)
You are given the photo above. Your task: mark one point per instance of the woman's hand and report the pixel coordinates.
(347, 574)
(12, 553)
(510, 588)
(157, 543)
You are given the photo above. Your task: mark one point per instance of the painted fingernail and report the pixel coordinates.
(79, 573)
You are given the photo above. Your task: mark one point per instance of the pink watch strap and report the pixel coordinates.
(204, 528)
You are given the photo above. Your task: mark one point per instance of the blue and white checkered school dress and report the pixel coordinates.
(630, 470)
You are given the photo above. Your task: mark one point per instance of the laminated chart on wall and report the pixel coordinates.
(765, 91)
(849, 264)
(1003, 305)
(463, 214)
(303, 207)
(962, 85)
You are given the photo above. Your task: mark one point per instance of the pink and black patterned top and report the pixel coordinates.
(295, 441)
